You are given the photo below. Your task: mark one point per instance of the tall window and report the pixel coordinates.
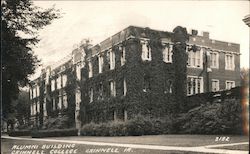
(38, 90)
(215, 85)
(53, 103)
(44, 109)
(146, 52)
(124, 87)
(91, 95)
(31, 109)
(90, 69)
(58, 82)
(100, 61)
(214, 60)
(112, 88)
(112, 59)
(34, 109)
(78, 71)
(34, 92)
(229, 62)
(194, 85)
(230, 84)
(64, 80)
(195, 58)
(30, 93)
(52, 85)
(168, 86)
(123, 55)
(59, 102)
(100, 90)
(167, 54)
(146, 83)
(65, 102)
(38, 107)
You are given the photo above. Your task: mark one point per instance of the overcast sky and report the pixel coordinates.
(100, 19)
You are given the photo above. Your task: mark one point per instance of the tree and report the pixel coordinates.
(20, 22)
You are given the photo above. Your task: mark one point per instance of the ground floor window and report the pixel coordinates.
(215, 85)
(194, 85)
(230, 84)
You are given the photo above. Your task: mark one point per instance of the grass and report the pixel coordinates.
(167, 140)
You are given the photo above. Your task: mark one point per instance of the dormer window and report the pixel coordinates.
(100, 62)
(112, 59)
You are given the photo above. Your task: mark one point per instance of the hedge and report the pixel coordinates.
(19, 133)
(138, 126)
(54, 133)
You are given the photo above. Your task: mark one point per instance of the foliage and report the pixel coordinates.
(140, 125)
(57, 122)
(215, 118)
(20, 22)
(19, 133)
(54, 133)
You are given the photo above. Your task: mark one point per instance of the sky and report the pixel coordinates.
(98, 20)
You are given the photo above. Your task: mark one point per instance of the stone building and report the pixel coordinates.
(131, 73)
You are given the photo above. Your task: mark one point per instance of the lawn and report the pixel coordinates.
(167, 140)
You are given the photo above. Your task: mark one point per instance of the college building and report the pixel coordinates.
(130, 73)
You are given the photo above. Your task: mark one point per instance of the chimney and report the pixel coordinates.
(205, 34)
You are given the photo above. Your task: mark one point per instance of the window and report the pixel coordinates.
(230, 84)
(38, 107)
(78, 71)
(30, 93)
(52, 85)
(168, 87)
(100, 90)
(78, 99)
(65, 102)
(53, 103)
(112, 59)
(59, 102)
(124, 87)
(146, 83)
(37, 90)
(195, 58)
(44, 109)
(214, 60)
(91, 95)
(58, 82)
(100, 61)
(34, 92)
(146, 52)
(64, 80)
(90, 69)
(194, 85)
(123, 55)
(229, 62)
(31, 109)
(167, 53)
(34, 108)
(215, 85)
(112, 88)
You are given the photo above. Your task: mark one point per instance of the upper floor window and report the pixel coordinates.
(58, 82)
(100, 62)
(215, 85)
(112, 59)
(64, 80)
(38, 91)
(124, 87)
(90, 69)
(31, 109)
(167, 53)
(195, 58)
(78, 71)
(52, 85)
(230, 84)
(34, 92)
(214, 60)
(194, 85)
(91, 95)
(123, 55)
(112, 88)
(146, 51)
(30, 93)
(229, 62)
(38, 107)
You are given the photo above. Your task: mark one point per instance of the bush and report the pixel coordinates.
(54, 133)
(138, 126)
(56, 123)
(19, 133)
(216, 118)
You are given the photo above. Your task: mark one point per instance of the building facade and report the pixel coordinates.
(131, 73)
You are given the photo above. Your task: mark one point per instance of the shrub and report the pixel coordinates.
(19, 133)
(138, 126)
(57, 123)
(54, 133)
